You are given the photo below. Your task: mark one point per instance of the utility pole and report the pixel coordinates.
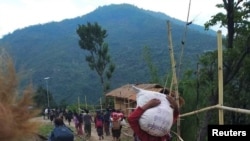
(47, 85)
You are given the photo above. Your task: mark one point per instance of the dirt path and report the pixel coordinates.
(94, 136)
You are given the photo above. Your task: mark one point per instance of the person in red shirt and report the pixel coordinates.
(133, 120)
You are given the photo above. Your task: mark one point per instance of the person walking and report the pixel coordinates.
(61, 132)
(45, 113)
(99, 125)
(77, 118)
(52, 115)
(87, 120)
(116, 125)
(106, 118)
(79, 124)
(69, 116)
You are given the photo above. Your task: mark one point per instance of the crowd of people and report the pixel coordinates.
(110, 122)
(106, 123)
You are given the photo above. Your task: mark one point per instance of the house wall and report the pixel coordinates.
(124, 105)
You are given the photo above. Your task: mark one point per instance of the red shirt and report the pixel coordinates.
(133, 120)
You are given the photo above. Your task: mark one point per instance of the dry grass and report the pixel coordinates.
(15, 112)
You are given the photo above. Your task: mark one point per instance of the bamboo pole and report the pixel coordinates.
(238, 110)
(85, 102)
(179, 137)
(171, 85)
(120, 102)
(78, 104)
(101, 103)
(198, 111)
(175, 83)
(220, 77)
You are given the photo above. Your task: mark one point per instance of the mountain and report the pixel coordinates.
(52, 50)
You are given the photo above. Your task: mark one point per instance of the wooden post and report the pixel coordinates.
(101, 103)
(115, 101)
(175, 83)
(78, 104)
(120, 102)
(220, 76)
(85, 103)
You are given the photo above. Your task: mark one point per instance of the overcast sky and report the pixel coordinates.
(16, 14)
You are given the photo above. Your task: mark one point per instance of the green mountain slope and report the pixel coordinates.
(52, 50)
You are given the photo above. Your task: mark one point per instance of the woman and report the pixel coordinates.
(99, 125)
(77, 118)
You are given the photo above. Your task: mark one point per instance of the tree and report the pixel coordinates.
(235, 62)
(41, 98)
(92, 39)
(154, 77)
(236, 20)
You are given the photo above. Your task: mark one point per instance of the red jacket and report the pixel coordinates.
(133, 120)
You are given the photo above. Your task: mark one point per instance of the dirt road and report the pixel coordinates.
(94, 136)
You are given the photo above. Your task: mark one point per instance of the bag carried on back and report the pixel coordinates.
(99, 123)
(62, 133)
(156, 121)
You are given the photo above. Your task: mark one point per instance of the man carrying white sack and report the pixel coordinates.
(135, 116)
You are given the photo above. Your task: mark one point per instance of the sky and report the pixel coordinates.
(18, 14)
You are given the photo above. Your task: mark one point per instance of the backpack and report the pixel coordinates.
(62, 133)
(99, 123)
(116, 124)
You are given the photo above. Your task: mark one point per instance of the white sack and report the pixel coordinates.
(158, 120)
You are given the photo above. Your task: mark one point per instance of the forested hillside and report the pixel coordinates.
(52, 50)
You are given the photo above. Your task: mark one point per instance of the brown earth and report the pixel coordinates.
(125, 136)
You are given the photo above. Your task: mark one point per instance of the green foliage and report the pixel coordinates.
(63, 103)
(152, 69)
(41, 98)
(239, 15)
(92, 39)
(75, 107)
(52, 49)
(235, 66)
(46, 129)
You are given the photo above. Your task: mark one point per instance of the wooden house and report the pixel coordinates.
(125, 97)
